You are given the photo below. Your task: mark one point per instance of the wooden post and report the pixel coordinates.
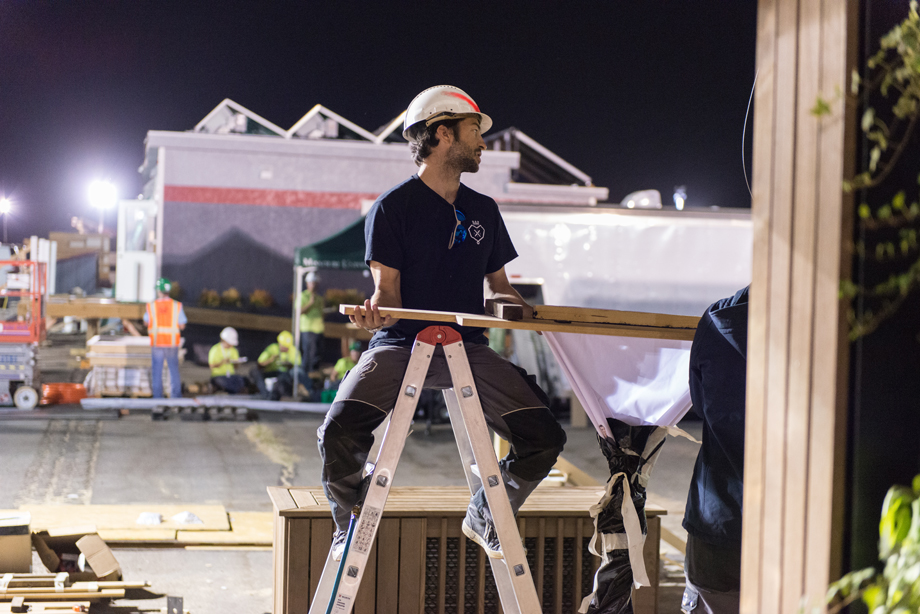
(797, 349)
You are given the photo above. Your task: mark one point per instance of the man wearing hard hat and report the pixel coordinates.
(223, 358)
(312, 326)
(277, 361)
(431, 241)
(165, 319)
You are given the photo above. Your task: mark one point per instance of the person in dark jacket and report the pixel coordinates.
(718, 366)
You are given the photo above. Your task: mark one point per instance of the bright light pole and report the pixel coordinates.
(102, 195)
(5, 206)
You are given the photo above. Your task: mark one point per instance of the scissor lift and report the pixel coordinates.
(22, 328)
(340, 581)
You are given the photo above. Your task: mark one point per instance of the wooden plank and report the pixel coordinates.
(280, 549)
(541, 556)
(611, 316)
(120, 517)
(557, 571)
(779, 298)
(412, 566)
(94, 309)
(65, 595)
(247, 528)
(306, 499)
(320, 541)
(388, 575)
(801, 306)
(755, 411)
(367, 593)
(281, 498)
(409, 314)
(483, 321)
(611, 330)
(830, 362)
(442, 565)
(577, 581)
(504, 311)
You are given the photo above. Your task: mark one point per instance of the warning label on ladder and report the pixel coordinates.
(363, 538)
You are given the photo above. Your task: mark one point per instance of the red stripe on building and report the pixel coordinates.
(270, 198)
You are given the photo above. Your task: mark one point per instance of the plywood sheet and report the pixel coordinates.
(111, 517)
(249, 528)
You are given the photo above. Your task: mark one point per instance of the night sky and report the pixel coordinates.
(638, 95)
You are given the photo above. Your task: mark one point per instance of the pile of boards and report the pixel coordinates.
(120, 366)
(26, 592)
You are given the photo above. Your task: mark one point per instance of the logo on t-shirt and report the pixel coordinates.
(477, 232)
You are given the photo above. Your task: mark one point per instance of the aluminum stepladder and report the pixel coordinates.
(339, 583)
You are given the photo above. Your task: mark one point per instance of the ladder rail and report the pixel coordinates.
(512, 573)
(354, 561)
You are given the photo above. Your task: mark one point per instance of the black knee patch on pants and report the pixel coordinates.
(346, 437)
(536, 442)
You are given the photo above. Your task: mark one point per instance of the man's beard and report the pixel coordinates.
(462, 158)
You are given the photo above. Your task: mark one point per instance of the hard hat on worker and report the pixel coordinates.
(230, 335)
(285, 338)
(163, 285)
(439, 103)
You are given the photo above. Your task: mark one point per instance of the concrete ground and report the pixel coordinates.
(83, 458)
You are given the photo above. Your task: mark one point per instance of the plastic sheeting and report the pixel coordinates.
(637, 381)
(662, 261)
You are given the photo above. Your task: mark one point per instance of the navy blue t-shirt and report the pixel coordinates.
(409, 229)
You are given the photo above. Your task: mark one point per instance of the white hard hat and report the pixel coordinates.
(230, 335)
(311, 277)
(442, 102)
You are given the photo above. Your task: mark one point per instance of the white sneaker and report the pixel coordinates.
(338, 544)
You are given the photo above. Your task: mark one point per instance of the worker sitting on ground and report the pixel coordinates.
(223, 358)
(278, 361)
(431, 244)
(345, 364)
(165, 318)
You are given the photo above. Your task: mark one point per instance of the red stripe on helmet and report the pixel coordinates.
(466, 98)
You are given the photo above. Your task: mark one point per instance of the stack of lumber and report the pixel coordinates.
(120, 366)
(22, 589)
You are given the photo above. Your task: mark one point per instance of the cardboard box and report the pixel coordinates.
(15, 543)
(83, 554)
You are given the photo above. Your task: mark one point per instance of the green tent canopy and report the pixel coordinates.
(343, 250)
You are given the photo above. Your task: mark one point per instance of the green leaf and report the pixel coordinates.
(873, 596)
(896, 519)
(864, 212)
(897, 203)
(874, 156)
(868, 119)
(884, 212)
(855, 82)
(822, 107)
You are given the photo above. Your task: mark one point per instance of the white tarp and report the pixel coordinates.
(638, 381)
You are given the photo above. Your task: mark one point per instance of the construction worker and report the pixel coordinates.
(277, 362)
(223, 358)
(165, 319)
(312, 327)
(431, 241)
(346, 363)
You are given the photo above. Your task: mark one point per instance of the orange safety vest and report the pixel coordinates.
(163, 315)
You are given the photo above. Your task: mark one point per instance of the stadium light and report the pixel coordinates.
(102, 195)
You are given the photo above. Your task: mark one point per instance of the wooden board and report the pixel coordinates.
(120, 517)
(483, 321)
(453, 500)
(248, 528)
(611, 316)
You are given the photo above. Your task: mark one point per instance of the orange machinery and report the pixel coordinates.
(22, 328)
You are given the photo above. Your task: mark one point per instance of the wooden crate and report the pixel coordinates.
(422, 563)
